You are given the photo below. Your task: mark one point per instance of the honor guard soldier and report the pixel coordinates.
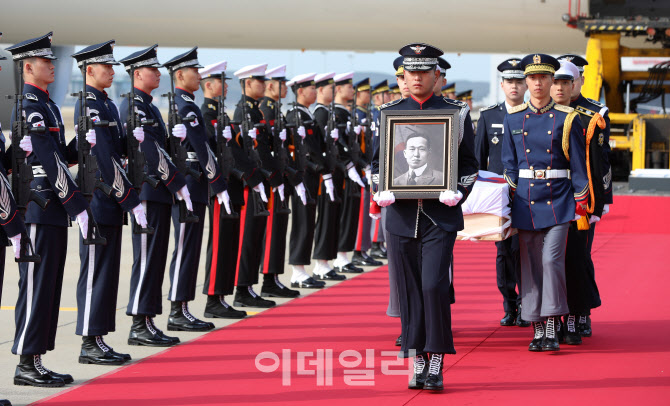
(449, 91)
(394, 92)
(40, 284)
(274, 245)
(309, 148)
(150, 251)
(543, 143)
(381, 94)
(205, 178)
(329, 201)
(488, 147)
(400, 76)
(465, 96)
(442, 66)
(253, 221)
(421, 232)
(587, 108)
(224, 229)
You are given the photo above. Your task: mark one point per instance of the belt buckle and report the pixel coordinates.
(540, 174)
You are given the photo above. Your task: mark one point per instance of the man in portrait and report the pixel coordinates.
(420, 160)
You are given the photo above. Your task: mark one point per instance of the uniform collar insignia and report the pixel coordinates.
(90, 95)
(187, 98)
(543, 109)
(138, 98)
(30, 96)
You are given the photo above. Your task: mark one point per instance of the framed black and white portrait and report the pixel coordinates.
(418, 152)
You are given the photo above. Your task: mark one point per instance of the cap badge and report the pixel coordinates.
(417, 49)
(514, 62)
(568, 58)
(537, 59)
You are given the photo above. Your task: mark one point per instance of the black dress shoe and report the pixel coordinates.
(331, 275)
(181, 319)
(246, 297)
(434, 380)
(377, 252)
(95, 351)
(536, 344)
(521, 322)
(398, 341)
(420, 372)
(371, 261)
(348, 268)
(309, 283)
(362, 259)
(30, 372)
(5, 402)
(274, 290)
(143, 332)
(218, 308)
(508, 319)
(585, 326)
(550, 341)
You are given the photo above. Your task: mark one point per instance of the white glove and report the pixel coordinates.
(16, 244)
(280, 190)
(335, 134)
(138, 133)
(227, 134)
(140, 215)
(224, 199)
(577, 217)
(384, 198)
(179, 131)
(82, 219)
(357, 129)
(375, 216)
(90, 137)
(300, 190)
(363, 121)
(301, 132)
(450, 198)
(252, 133)
(330, 189)
(594, 219)
(261, 190)
(26, 144)
(282, 135)
(353, 175)
(185, 195)
(606, 209)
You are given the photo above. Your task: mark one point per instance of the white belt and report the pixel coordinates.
(544, 173)
(38, 171)
(192, 157)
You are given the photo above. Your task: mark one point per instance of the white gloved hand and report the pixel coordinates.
(82, 219)
(282, 135)
(594, 219)
(185, 195)
(26, 144)
(224, 199)
(300, 190)
(252, 133)
(335, 134)
(90, 137)
(179, 131)
(301, 132)
(375, 216)
(357, 129)
(450, 198)
(280, 190)
(227, 134)
(364, 120)
(16, 244)
(140, 215)
(353, 175)
(577, 217)
(606, 209)
(261, 191)
(138, 133)
(384, 198)
(330, 189)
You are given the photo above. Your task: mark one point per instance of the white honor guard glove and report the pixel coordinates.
(606, 209)
(138, 133)
(282, 135)
(82, 219)
(140, 215)
(384, 198)
(577, 217)
(90, 137)
(330, 189)
(261, 190)
(227, 134)
(375, 216)
(26, 144)
(16, 244)
(357, 129)
(300, 190)
(301, 132)
(252, 133)
(335, 134)
(179, 131)
(450, 198)
(224, 199)
(594, 219)
(353, 175)
(185, 195)
(280, 190)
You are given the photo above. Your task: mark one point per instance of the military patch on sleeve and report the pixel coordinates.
(211, 106)
(194, 123)
(251, 106)
(516, 109)
(517, 132)
(30, 96)
(35, 115)
(564, 109)
(188, 99)
(90, 96)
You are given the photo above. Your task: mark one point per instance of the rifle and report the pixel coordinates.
(22, 172)
(177, 152)
(280, 151)
(88, 164)
(352, 140)
(332, 153)
(136, 161)
(300, 150)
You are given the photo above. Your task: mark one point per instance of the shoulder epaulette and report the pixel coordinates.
(458, 103)
(250, 104)
(90, 96)
(188, 99)
(564, 109)
(31, 96)
(597, 103)
(516, 109)
(138, 98)
(389, 104)
(493, 106)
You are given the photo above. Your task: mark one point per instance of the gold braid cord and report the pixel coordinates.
(567, 127)
(583, 223)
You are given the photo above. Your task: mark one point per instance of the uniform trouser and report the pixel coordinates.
(363, 237)
(98, 283)
(422, 266)
(327, 226)
(150, 253)
(377, 231)
(580, 280)
(393, 309)
(186, 254)
(252, 229)
(303, 219)
(2, 270)
(222, 246)
(351, 208)
(543, 292)
(40, 286)
(508, 272)
(274, 243)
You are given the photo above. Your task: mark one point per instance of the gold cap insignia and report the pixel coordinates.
(537, 59)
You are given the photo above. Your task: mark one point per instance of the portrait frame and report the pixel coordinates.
(435, 132)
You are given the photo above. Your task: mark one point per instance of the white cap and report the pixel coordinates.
(306, 78)
(256, 71)
(214, 69)
(278, 73)
(324, 77)
(567, 71)
(344, 77)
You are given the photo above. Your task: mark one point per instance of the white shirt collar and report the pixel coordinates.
(419, 171)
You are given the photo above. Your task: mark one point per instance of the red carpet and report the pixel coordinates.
(627, 361)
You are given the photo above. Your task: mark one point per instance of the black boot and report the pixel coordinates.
(434, 379)
(377, 252)
(398, 341)
(508, 319)
(181, 319)
(30, 372)
(585, 326)
(420, 372)
(143, 332)
(536, 344)
(273, 288)
(160, 333)
(218, 308)
(521, 322)
(550, 342)
(560, 330)
(246, 297)
(95, 351)
(572, 336)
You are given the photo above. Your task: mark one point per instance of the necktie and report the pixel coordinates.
(412, 178)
